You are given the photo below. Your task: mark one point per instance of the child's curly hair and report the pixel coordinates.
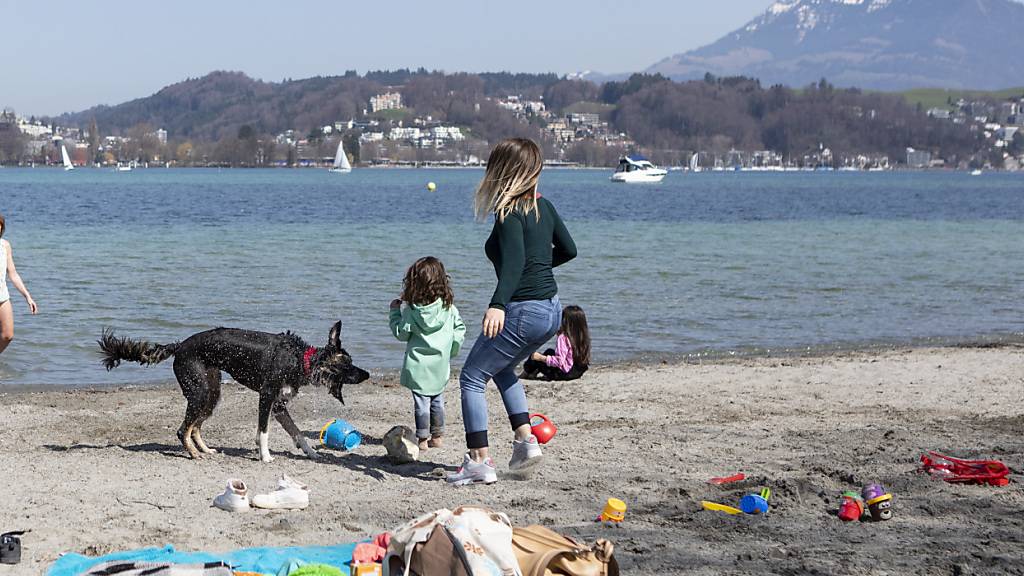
(426, 281)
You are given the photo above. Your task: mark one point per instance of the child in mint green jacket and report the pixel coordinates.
(434, 332)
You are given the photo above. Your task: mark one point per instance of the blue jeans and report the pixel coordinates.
(528, 325)
(429, 411)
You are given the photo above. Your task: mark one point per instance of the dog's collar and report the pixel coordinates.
(306, 358)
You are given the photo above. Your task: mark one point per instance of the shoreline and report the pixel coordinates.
(101, 471)
(642, 360)
(445, 166)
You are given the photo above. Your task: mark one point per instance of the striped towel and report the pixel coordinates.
(122, 568)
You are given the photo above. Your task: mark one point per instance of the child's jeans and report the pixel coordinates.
(429, 415)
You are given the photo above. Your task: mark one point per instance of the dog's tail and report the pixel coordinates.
(117, 348)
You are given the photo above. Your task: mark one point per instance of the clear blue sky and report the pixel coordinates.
(67, 55)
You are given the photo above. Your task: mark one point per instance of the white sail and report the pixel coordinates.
(67, 159)
(341, 163)
(694, 163)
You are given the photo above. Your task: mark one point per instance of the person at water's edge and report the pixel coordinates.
(527, 241)
(7, 270)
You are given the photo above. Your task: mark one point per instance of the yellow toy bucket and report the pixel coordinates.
(614, 511)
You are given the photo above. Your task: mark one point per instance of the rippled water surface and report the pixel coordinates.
(718, 262)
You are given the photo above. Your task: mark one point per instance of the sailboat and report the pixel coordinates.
(695, 163)
(341, 160)
(67, 159)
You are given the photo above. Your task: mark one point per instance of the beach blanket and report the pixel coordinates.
(260, 560)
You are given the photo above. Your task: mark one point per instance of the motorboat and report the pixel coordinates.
(637, 169)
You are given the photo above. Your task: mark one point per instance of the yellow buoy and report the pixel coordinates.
(431, 186)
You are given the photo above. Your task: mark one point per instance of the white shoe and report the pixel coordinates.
(289, 495)
(474, 473)
(526, 454)
(235, 498)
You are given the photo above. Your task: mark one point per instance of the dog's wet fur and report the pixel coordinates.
(271, 364)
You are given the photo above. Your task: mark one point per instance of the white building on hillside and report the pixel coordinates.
(408, 133)
(388, 101)
(453, 133)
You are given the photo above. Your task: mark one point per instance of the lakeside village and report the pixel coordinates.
(389, 134)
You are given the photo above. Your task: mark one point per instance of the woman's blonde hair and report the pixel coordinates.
(510, 183)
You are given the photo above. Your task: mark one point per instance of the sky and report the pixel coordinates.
(69, 55)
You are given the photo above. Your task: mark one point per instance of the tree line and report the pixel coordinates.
(231, 118)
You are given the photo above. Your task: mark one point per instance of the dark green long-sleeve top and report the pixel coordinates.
(523, 250)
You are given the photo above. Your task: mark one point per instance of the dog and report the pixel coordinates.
(275, 365)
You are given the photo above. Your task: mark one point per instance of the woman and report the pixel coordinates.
(527, 241)
(8, 270)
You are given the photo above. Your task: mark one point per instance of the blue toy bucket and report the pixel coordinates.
(756, 503)
(340, 435)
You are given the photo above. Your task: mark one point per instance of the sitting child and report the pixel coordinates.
(571, 356)
(434, 332)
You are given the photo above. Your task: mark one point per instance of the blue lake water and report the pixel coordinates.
(715, 262)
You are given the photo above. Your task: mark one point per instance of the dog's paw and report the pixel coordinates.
(266, 459)
(309, 451)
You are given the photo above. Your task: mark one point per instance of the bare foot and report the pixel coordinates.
(435, 442)
(424, 444)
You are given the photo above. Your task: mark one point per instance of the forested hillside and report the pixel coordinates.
(659, 116)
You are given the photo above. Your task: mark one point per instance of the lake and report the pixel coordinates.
(712, 263)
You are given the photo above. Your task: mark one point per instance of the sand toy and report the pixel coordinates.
(878, 501)
(851, 508)
(756, 503)
(727, 479)
(614, 511)
(956, 470)
(716, 507)
(340, 435)
(544, 430)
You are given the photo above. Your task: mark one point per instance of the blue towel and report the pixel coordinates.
(262, 560)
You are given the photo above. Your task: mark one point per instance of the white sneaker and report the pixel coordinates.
(289, 495)
(235, 498)
(286, 481)
(474, 473)
(526, 454)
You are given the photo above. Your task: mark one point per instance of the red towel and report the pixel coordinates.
(375, 551)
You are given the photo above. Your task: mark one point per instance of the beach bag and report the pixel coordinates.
(544, 552)
(480, 543)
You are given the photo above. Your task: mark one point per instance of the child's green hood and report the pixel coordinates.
(430, 318)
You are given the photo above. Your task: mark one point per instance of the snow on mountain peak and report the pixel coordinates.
(810, 13)
(784, 6)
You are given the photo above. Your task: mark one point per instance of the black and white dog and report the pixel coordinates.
(275, 365)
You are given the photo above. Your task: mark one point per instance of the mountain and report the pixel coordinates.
(873, 44)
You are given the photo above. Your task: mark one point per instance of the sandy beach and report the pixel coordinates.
(99, 471)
